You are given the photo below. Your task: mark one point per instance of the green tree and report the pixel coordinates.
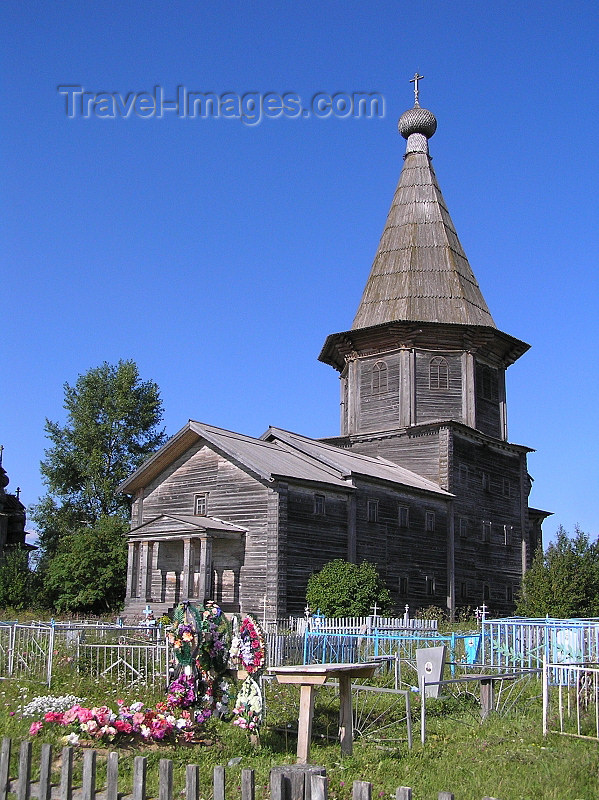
(112, 426)
(342, 589)
(563, 581)
(17, 581)
(88, 571)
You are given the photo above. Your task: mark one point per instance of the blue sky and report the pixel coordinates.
(219, 255)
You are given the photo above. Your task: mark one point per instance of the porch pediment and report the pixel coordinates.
(167, 525)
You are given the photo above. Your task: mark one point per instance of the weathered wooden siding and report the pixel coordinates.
(487, 483)
(398, 551)
(233, 496)
(405, 551)
(438, 402)
(312, 539)
(379, 392)
(488, 409)
(417, 451)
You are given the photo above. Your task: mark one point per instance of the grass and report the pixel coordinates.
(506, 757)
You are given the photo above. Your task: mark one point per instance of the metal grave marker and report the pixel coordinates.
(430, 662)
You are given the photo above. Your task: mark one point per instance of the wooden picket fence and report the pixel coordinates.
(283, 780)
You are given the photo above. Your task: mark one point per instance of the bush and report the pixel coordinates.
(89, 571)
(18, 584)
(342, 589)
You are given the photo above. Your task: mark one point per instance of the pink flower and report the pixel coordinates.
(54, 716)
(84, 715)
(35, 728)
(103, 714)
(71, 715)
(122, 726)
(138, 718)
(160, 728)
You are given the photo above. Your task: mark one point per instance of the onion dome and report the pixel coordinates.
(417, 120)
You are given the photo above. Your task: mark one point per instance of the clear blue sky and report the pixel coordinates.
(219, 255)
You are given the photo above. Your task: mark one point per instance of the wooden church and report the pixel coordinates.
(422, 480)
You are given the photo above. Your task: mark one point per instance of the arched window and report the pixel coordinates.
(379, 378)
(438, 373)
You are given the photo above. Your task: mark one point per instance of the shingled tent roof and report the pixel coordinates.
(420, 272)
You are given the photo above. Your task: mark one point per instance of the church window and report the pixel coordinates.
(463, 527)
(463, 474)
(506, 487)
(507, 534)
(438, 373)
(486, 531)
(429, 584)
(463, 590)
(429, 521)
(404, 586)
(404, 517)
(373, 510)
(379, 378)
(486, 592)
(509, 593)
(486, 478)
(319, 504)
(200, 504)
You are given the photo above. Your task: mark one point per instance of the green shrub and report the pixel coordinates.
(342, 589)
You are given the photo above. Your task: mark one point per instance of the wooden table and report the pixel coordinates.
(308, 677)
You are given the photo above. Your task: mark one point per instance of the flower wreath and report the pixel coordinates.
(249, 706)
(200, 637)
(183, 635)
(248, 648)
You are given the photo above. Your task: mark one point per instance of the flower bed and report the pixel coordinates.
(104, 724)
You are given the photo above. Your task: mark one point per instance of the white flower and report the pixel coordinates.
(44, 704)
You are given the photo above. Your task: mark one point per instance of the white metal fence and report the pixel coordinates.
(571, 699)
(366, 625)
(125, 656)
(125, 664)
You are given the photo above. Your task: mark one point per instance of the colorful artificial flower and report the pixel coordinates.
(249, 706)
(248, 648)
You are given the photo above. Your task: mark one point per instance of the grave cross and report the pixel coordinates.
(374, 609)
(415, 80)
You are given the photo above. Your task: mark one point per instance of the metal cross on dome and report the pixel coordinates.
(415, 80)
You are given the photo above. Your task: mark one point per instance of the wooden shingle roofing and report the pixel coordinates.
(420, 271)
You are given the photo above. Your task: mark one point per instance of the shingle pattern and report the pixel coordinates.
(420, 272)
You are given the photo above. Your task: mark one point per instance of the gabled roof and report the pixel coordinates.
(420, 271)
(194, 524)
(350, 463)
(278, 454)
